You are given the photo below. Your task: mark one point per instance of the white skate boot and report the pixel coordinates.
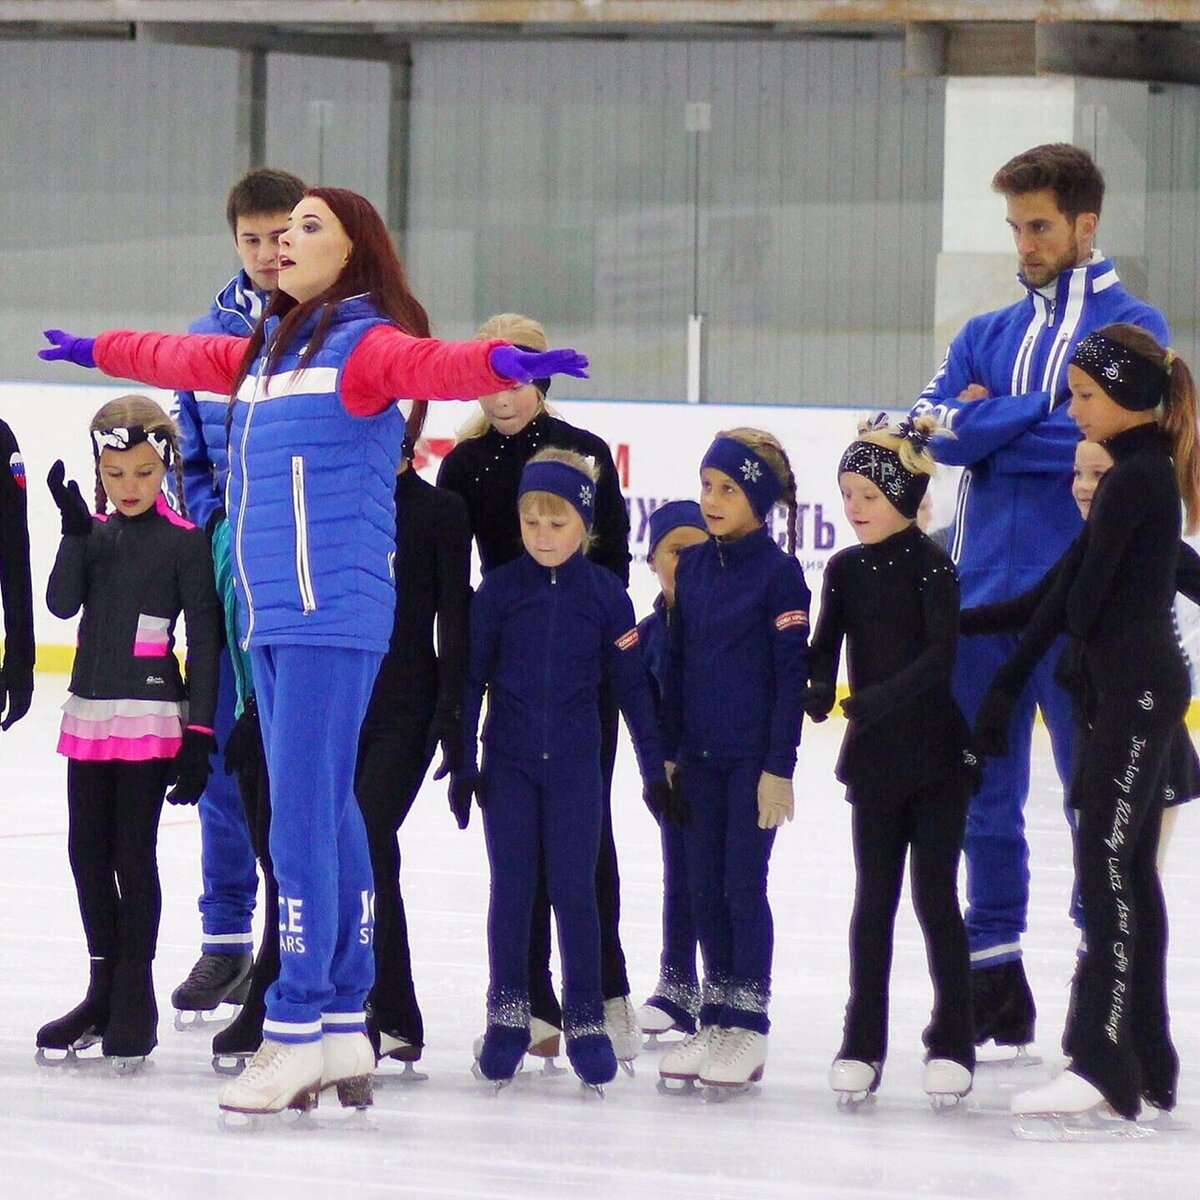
(1069, 1109)
(621, 1025)
(401, 1050)
(854, 1082)
(734, 1061)
(347, 1063)
(679, 1068)
(945, 1082)
(280, 1075)
(654, 1022)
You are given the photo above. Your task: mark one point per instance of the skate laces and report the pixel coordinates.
(208, 971)
(266, 1062)
(733, 1043)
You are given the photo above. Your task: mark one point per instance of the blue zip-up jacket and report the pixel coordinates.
(539, 639)
(201, 415)
(1015, 516)
(312, 498)
(737, 654)
(652, 633)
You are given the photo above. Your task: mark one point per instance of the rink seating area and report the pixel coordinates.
(84, 1133)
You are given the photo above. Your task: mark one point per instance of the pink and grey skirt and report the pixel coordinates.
(121, 730)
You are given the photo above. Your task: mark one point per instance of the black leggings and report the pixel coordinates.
(928, 824)
(112, 845)
(1118, 1035)
(392, 762)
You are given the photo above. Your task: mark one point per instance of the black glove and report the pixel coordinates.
(990, 736)
(190, 768)
(817, 700)
(243, 746)
(665, 803)
(16, 694)
(868, 705)
(446, 729)
(465, 785)
(76, 516)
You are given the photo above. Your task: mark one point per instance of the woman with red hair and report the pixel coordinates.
(314, 443)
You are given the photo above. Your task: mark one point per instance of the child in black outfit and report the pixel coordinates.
(130, 725)
(905, 758)
(16, 675)
(1118, 593)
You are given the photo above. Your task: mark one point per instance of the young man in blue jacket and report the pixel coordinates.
(1002, 392)
(257, 209)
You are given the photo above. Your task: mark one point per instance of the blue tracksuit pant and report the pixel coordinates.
(312, 700)
(727, 859)
(226, 855)
(554, 804)
(677, 991)
(996, 850)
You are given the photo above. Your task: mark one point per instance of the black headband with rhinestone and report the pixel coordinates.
(1131, 379)
(882, 466)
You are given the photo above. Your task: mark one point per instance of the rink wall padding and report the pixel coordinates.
(657, 448)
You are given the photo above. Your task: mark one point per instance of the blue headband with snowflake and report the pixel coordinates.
(749, 470)
(576, 487)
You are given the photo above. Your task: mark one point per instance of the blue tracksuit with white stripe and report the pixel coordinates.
(1015, 518)
(736, 667)
(226, 855)
(540, 639)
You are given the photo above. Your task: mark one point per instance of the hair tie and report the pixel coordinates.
(1169, 357)
(919, 439)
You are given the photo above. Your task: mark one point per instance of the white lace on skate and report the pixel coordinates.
(735, 1059)
(621, 1025)
(684, 1061)
(279, 1076)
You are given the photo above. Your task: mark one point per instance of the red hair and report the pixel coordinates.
(373, 269)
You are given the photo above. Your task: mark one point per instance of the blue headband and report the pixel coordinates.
(675, 514)
(750, 471)
(574, 486)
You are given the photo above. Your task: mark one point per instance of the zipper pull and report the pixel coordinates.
(553, 576)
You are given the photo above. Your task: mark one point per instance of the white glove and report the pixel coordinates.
(776, 803)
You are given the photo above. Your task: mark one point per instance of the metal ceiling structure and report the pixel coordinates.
(1156, 40)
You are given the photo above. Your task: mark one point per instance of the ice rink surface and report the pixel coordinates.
(85, 1133)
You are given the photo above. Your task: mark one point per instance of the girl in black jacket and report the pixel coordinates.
(16, 674)
(131, 726)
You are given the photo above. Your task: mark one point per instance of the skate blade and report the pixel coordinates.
(230, 1064)
(207, 1020)
(590, 1090)
(723, 1093)
(626, 1065)
(657, 1039)
(947, 1104)
(855, 1102)
(1164, 1122)
(675, 1086)
(72, 1058)
(235, 1121)
(497, 1085)
(127, 1064)
(1077, 1127)
(1007, 1057)
(405, 1078)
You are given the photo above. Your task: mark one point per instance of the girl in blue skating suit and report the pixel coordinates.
(315, 436)
(675, 1002)
(736, 669)
(542, 629)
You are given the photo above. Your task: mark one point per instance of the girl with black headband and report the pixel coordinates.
(1139, 401)
(542, 629)
(904, 760)
(735, 671)
(131, 726)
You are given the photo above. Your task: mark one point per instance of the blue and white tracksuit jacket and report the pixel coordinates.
(226, 854)
(540, 639)
(737, 665)
(312, 513)
(1014, 518)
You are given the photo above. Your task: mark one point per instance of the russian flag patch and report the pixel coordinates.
(16, 464)
(628, 640)
(789, 620)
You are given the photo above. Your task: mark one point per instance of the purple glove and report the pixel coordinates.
(66, 347)
(525, 365)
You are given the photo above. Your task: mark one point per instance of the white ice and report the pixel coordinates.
(86, 1133)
